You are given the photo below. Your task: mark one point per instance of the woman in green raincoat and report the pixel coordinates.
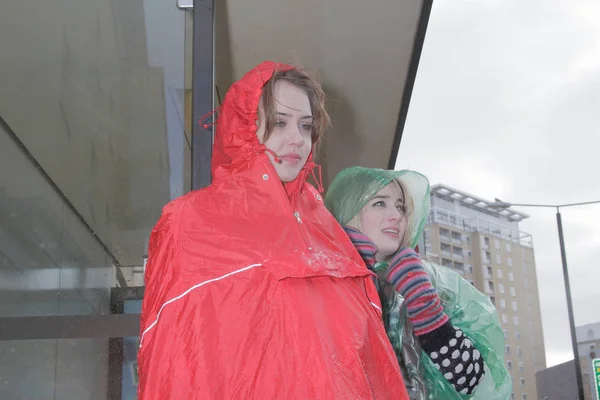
(446, 334)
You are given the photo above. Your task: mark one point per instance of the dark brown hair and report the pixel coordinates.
(316, 97)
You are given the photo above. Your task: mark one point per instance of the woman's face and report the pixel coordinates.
(383, 220)
(291, 137)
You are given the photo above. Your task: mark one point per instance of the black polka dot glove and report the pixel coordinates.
(455, 357)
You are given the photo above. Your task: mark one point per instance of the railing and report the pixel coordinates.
(477, 224)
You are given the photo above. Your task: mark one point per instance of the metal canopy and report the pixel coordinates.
(365, 53)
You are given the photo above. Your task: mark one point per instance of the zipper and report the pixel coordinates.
(287, 202)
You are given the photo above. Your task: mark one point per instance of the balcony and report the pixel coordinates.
(476, 224)
(457, 239)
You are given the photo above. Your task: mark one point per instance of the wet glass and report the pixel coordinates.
(93, 142)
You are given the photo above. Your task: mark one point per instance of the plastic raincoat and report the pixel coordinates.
(468, 308)
(253, 291)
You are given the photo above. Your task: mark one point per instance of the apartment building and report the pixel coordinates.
(486, 247)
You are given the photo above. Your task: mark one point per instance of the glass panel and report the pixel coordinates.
(92, 107)
(93, 143)
(54, 369)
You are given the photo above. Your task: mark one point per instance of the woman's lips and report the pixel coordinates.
(291, 158)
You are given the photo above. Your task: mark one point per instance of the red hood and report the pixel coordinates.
(236, 147)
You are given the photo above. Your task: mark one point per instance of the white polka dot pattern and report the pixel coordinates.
(459, 362)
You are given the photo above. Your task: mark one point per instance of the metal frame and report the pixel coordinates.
(118, 296)
(202, 93)
(410, 79)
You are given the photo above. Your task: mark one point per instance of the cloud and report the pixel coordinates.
(505, 105)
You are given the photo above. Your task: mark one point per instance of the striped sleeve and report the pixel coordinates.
(409, 278)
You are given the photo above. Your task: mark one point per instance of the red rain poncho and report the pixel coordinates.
(253, 291)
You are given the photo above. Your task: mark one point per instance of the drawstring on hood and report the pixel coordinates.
(208, 114)
(319, 179)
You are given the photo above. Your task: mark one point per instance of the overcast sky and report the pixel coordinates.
(507, 104)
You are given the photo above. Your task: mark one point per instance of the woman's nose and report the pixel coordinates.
(295, 137)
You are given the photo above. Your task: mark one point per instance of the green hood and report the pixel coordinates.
(353, 187)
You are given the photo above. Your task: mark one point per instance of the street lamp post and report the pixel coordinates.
(499, 204)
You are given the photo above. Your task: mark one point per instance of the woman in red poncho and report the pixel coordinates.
(253, 291)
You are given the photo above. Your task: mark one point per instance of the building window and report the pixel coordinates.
(458, 251)
(511, 277)
(513, 292)
(512, 396)
(506, 334)
(514, 305)
(518, 335)
(509, 364)
(467, 239)
(444, 233)
(493, 300)
(498, 258)
(469, 253)
(486, 256)
(497, 244)
(470, 269)
(472, 283)
(591, 334)
(486, 242)
(502, 303)
(501, 288)
(427, 234)
(519, 351)
(524, 396)
(507, 350)
(516, 321)
(508, 248)
(521, 367)
(499, 273)
(504, 318)
(447, 263)
(522, 381)
(443, 217)
(509, 262)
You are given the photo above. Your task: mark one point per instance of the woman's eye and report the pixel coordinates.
(306, 127)
(379, 204)
(402, 209)
(280, 124)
